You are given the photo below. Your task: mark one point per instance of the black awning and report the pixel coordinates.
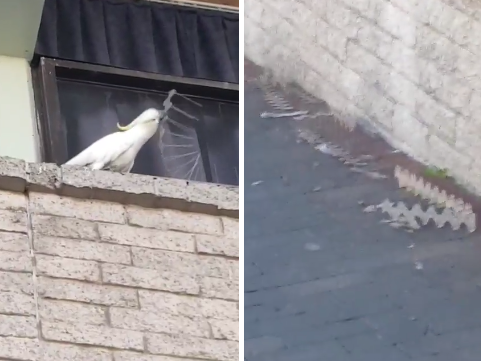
(143, 36)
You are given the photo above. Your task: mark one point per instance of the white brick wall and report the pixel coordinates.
(409, 66)
(93, 280)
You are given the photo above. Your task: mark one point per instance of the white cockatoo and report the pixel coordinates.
(117, 151)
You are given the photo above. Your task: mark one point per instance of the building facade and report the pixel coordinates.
(100, 265)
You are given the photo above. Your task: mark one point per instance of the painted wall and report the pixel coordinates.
(410, 67)
(18, 135)
(19, 24)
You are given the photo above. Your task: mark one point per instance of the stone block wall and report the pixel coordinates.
(92, 268)
(410, 67)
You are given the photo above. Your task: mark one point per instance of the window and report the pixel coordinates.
(224, 3)
(79, 103)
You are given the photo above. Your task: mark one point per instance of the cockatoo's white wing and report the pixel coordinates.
(104, 151)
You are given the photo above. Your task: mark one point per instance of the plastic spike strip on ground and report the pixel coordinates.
(313, 116)
(271, 96)
(458, 211)
(400, 212)
(431, 193)
(278, 102)
(309, 99)
(283, 115)
(355, 164)
(344, 156)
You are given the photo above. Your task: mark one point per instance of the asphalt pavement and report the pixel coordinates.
(325, 281)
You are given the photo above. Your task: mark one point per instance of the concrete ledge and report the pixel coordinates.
(146, 191)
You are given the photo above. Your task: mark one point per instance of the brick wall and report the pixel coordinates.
(106, 278)
(410, 67)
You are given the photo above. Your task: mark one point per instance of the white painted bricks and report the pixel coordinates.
(93, 280)
(409, 66)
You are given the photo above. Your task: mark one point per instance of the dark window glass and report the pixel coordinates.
(200, 143)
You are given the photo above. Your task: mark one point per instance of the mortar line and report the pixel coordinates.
(30, 236)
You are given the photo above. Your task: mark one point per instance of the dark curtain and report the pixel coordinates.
(144, 36)
(203, 149)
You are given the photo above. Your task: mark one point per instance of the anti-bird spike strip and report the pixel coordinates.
(427, 191)
(399, 210)
(275, 100)
(278, 102)
(312, 116)
(309, 99)
(306, 97)
(272, 97)
(355, 164)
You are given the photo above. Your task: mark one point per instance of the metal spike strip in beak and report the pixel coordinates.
(167, 105)
(167, 102)
(190, 100)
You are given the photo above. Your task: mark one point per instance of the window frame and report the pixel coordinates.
(52, 130)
